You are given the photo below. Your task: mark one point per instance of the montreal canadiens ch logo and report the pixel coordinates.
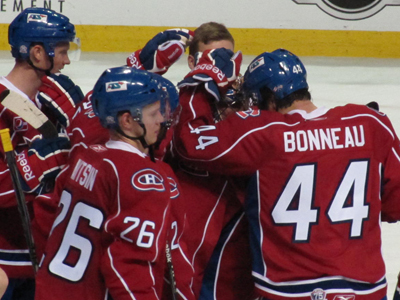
(351, 10)
(148, 180)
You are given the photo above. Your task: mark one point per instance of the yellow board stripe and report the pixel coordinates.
(102, 38)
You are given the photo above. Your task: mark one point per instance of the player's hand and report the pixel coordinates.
(217, 68)
(161, 51)
(42, 161)
(61, 95)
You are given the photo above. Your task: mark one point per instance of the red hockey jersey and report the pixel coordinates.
(110, 232)
(321, 184)
(85, 125)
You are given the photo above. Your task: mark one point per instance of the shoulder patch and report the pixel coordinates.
(148, 180)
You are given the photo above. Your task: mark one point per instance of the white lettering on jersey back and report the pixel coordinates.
(84, 174)
(321, 139)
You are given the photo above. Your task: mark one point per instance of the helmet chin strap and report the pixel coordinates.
(47, 72)
(141, 138)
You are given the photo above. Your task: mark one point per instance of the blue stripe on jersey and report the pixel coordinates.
(252, 209)
(13, 257)
(210, 273)
(340, 284)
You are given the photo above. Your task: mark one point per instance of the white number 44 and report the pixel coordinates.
(302, 183)
(297, 69)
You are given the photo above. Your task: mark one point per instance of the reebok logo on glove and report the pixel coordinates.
(133, 61)
(24, 167)
(214, 69)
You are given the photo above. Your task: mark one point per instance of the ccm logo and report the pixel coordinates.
(148, 180)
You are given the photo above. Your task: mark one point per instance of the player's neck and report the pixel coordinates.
(25, 78)
(305, 105)
(135, 143)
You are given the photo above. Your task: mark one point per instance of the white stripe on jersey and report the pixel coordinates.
(118, 196)
(381, 284)
(208, 222)
(370, 116)
(240, 139)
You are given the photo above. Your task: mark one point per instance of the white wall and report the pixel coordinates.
(278, 14)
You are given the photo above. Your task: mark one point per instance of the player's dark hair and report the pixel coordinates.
(268, 97)
(209, 32)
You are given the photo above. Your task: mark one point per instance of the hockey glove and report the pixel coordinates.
(217, 69)
(161, 51)
(42, 161)
(373, 105)
(60, 94)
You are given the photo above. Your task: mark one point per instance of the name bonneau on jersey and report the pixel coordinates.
(321, 139)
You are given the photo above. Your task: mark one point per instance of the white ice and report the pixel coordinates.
(333, 82)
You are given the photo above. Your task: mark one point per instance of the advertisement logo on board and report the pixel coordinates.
(351, 10)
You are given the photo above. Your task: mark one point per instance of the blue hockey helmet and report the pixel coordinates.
(39, 25)
(171, 113)
(123, 89)
(280, 71)
(172, 92)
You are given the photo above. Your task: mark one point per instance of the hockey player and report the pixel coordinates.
(212, 200)
(40, 41)
(322, 178)
(217, 241)
(124, 196)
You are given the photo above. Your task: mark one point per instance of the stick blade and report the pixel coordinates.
(28, 111)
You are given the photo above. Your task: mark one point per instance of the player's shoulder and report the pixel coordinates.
(357, 109)
(2, 86)
(93, 154)
(365, 114)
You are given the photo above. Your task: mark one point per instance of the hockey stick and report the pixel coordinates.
(28, 111)
(22, 208)
(171, 271)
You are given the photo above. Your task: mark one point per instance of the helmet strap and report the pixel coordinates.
(141, 138)
(151, 153)
(47, 72)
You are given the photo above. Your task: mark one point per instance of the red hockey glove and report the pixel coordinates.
(60, 94)
(217, 68)
(42, 161)
(161, 51)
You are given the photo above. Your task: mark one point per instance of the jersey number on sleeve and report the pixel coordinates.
(145, 238)
(301, 187)
(204, 141)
